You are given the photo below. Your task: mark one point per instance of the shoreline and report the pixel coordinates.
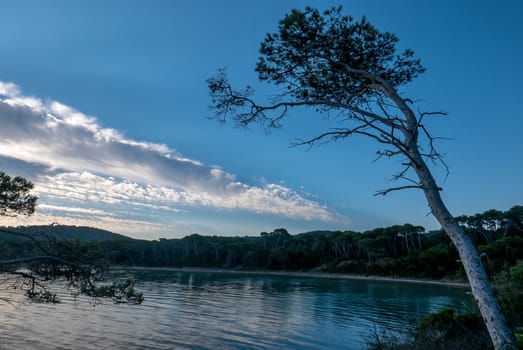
(305, 274)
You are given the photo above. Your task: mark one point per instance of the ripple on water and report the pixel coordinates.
(227, 311)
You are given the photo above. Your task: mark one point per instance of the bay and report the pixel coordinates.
(206, 310)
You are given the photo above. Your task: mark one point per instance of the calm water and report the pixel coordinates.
(228, 311)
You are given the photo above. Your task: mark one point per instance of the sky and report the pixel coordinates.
(104, 107)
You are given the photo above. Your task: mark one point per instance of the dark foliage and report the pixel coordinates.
(400, 250)
(309, 53)
(442, 330)
(15, 196)
(328, 61)
(447, 330)
(510, 288)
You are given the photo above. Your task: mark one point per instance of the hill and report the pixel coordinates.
(62, 232)
(315, 233)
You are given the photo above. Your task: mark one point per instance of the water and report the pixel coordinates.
(184, 310)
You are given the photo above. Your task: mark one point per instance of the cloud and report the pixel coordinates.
(269, 199)
(82, 211)
(80, 163)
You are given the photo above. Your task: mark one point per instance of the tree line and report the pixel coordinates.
(400, 250)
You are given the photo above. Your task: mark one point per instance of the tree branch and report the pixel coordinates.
(388, 190)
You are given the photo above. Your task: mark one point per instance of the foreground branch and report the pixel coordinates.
(81, 266)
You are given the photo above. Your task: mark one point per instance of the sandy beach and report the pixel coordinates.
(309, 274)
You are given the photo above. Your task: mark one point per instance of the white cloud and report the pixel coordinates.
(271, 199)
(89, 211)
(9, 89)
(89, 165)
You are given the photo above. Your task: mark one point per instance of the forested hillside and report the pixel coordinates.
(401, 250)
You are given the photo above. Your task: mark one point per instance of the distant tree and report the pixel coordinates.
(515, 218)
(46, 259)
(350, 71)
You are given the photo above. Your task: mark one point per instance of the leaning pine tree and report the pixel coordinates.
(350, 71)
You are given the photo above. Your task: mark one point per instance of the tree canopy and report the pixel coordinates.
(301, 57)
(15, 196)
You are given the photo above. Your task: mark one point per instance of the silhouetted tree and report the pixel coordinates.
(350, 71)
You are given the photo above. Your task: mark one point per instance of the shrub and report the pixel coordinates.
(447, 330)
(442, 330)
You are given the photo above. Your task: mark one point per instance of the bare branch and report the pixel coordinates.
(337, 134)
(388, 190)
(424, 114)
(226, 101)
(388, 153)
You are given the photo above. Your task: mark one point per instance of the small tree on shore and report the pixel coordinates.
(349, 70)
(82, 266)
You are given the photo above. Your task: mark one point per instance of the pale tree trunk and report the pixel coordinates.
(500, 333)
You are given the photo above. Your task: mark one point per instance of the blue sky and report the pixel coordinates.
(103, 105)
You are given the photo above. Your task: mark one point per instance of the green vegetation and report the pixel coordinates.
(440, 330)
(396, 251)
(15, 196)
(399, 251)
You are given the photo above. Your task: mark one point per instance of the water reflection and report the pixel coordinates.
(187, 310)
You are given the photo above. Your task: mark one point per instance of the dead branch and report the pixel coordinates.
(388, 190)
